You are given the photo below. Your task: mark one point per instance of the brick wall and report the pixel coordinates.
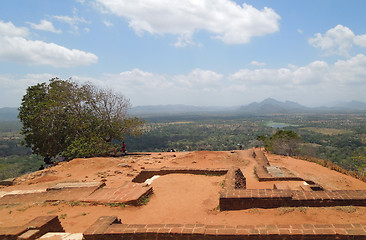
(263, 175)
(231, 199)
(33, 229)
(261, 158)
(235, 179)
(149, 173)
(111, 228)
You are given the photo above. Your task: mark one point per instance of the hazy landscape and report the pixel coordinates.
(337, 134)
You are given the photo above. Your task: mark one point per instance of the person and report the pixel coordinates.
(47, 161)
(123, 149)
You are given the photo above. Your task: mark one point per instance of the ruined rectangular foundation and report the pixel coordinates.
(149, 173)
(273, 198)
(112, 228)
(33, 229)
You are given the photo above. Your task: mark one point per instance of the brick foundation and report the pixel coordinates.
(262, 173)
(235, 196)
(260, 157)
(112, 228)
(273, 198)
(235, 179)
(32, 230)
(149, 173)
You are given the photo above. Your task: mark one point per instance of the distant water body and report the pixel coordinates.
(278, 125)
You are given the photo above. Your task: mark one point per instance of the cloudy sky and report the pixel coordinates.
(194, 52)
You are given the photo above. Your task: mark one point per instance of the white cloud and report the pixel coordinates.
(137, 80)
(73, 21)
(223, 19)
(300, 31)
(311, 74)
(360, 40)
(8, 29)
(314, 84)
(146, 88)
(199, 79)
(350, 72)
(15, 47)
(70, 20)
(338, 41)
(45, 25)
(258, 64)
(108, 23)
(14, 87)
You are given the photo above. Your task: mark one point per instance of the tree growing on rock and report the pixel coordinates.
(65, 118)
(283, 142)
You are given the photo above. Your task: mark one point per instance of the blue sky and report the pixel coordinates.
(194, 52)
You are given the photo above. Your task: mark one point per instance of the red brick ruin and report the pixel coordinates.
(233, 196)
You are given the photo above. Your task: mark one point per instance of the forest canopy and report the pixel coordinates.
(66, 118)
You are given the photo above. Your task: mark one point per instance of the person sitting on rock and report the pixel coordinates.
(123, 149)
(47, 161)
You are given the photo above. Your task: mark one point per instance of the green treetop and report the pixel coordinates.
(73, 120)
(284, 142)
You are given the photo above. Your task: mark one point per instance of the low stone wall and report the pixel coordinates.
(32, 230)
(149, 173)
(260, 157)
(235, 179)
(263, 175)
(109, 228)
(231, 199)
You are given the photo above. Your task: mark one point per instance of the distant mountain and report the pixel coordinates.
(8, 114)
(271, 105)
(177, 109)
(267, 106)
(353, 105)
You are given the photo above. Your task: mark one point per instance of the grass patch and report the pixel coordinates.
(223, 183)
(56, 203)
(10, 205)
(63, 216)
(75, 203)
(83, 214)
(213, 174)
(253, 210)
(145, 199)
(217, 208)
(23, 208)
(284, 210)
(302, 209)
(117, 204)
(347, 209)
